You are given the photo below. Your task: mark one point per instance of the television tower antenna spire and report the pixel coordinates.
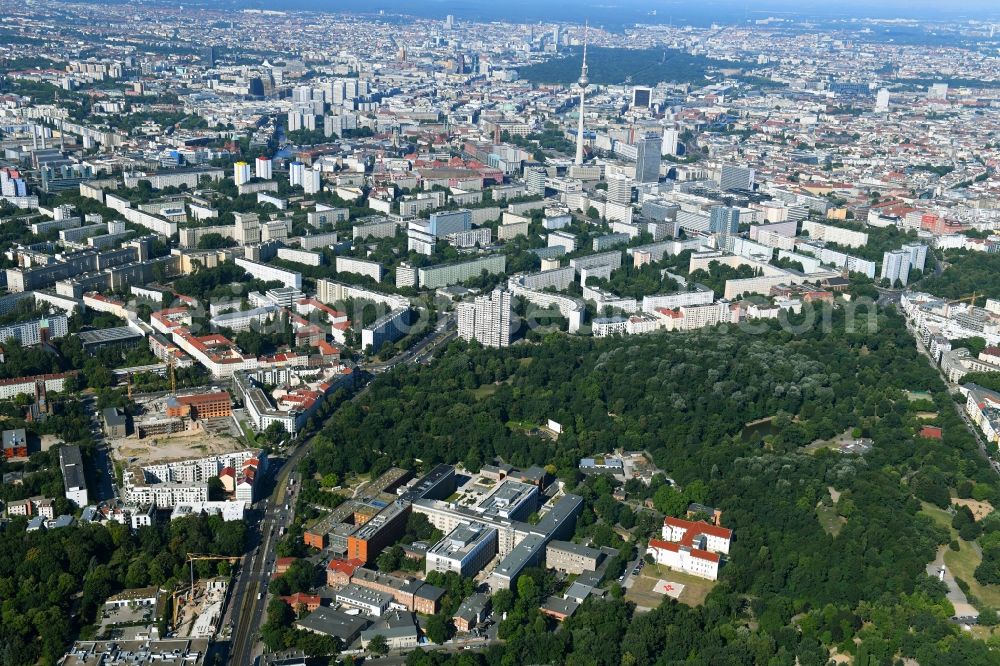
(583, 82)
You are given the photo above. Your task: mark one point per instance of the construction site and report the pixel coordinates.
(176, 426)
(182, 412)
(198, 608)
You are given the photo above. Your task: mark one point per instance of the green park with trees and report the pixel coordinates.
(53, 582)
(615, 66)
(793, 590)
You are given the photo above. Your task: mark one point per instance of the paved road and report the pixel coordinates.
(249, 599)
(629, 578)
(963, 609)
(423, 350)
(103, 470)
(105, 475)
(246, 612)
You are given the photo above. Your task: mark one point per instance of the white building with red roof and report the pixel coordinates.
(219, 355)
(171, 319)
(691, 547)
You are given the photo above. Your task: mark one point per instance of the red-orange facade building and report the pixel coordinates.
(200, 406)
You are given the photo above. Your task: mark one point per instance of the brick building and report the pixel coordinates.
(384, 529)
(201, 406)
(310, 601)
(412, 593)
(339, 572)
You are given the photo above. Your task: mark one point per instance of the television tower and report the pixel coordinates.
(583, 82)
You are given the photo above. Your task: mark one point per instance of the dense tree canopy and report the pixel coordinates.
(968, 273)
(53, 582)
(792, 590)
(614, 66)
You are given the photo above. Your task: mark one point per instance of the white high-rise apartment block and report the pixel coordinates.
(619, 188)
(882, 101)
(466, 314)
(241, 173)
(263, 165)
(296, 173)
(487, 319)
(896, 266)
(312, 181)
(918, 255)
(535, 180)
(670, 139)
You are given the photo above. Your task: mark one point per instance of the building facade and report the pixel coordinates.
(465, 550)
(487, 319)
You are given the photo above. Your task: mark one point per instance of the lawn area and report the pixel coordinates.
(832, 443)
(642, 594)
(939, 516)
(963, 563)
(485, 391)
(829, 520)
(248, 432)
(984, 633)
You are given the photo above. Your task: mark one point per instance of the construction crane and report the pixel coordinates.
(173, 375)
(971, 299)
(128, 379)
(194, 557)
(191, 559)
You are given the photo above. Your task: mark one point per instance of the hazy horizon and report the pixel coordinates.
(618, 12)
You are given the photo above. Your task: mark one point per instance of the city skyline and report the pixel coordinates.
(724, 11)
(460, 334)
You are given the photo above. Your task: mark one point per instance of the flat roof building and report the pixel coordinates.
(512, 500)
(217, 404)
(525, 554)
(432, 277)
(330, 622)
(466, 550)
(439, 483)
(74, 480)
(169, 652)
(388, 525)
(571, 557)
(558, 523)
(371, 602)
(121, 337)
(399, 629)
(15, 443)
